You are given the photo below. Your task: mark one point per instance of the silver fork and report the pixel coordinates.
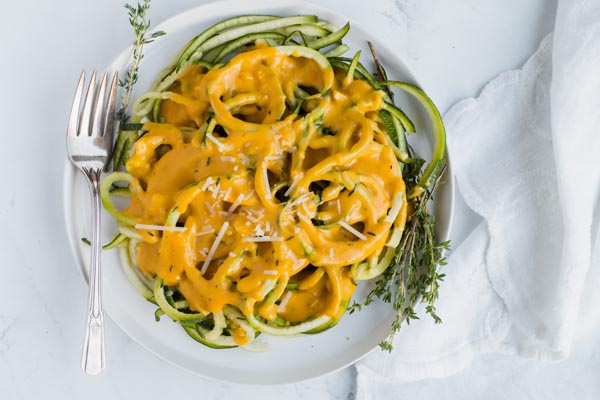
(89, 146)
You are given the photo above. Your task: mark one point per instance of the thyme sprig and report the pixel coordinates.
(414, 272)
(413, 276)
(141, 24)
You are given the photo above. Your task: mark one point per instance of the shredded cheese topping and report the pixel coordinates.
(213, 248)
(161, 228)
(258, 239)
(352, 230)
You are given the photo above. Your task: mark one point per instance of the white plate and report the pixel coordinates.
(288, 359)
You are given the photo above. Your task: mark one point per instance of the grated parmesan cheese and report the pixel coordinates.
(215, 141)
(270, 272)
(305, 219)
(268, 194)
(292, 186)
(276, 142)
(353, 231)
(291, 254)
(209, 207)
(215, 190)
(236, 203)
(214, 246)
(227, 193)
(205, 232)
(208, 182)
(264, 239)
(252, 219)
(258, 213)
(301, 199)
(306, 210)
(284, 301)
(161, 228)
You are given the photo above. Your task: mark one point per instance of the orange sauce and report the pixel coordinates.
(233, 147)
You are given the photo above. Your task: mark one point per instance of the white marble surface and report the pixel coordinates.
(454, 47)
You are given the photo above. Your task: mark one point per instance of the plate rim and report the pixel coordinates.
(69, 176)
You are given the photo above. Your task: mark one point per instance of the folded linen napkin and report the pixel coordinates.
(525, 156)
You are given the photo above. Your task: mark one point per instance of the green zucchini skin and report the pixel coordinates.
(292, 330)
(246, 39)
(209, 40)
(116, 241)
(333, 322)
(193, 44)
(195, 333)
(329, 39)
(175, 314)
(437, 161)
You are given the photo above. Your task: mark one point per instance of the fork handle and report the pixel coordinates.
(92, 360)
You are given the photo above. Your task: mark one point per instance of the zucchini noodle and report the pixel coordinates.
(263, 188)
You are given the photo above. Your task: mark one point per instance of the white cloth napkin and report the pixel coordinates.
(526, 156)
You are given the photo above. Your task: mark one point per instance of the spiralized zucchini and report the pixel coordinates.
(265, 181)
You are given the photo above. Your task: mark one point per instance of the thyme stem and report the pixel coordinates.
(141, 25)
(381, 74)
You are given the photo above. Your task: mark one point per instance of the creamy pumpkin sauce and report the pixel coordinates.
(266, 188)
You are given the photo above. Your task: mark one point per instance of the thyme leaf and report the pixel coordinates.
(141, 24)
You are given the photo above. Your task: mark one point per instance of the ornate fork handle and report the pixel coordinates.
(89, 145)
(92, 361)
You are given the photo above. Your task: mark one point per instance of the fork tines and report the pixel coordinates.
(88, 123)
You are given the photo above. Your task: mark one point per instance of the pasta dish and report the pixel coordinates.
(265, 181)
